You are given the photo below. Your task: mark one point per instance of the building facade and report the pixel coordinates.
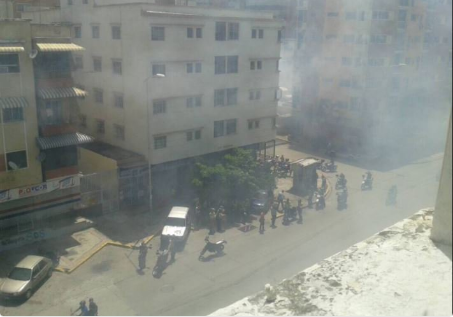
(38, 149)
(363, 75)
(173, 83)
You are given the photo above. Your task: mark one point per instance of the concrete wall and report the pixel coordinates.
(442, 222)
(18, 136)
(90, 162)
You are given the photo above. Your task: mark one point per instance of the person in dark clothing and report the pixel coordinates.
(172, 249)
(262, 223)
(143, 251)
(299, 210)
(324, 182)
(92, 308)
(274, 215)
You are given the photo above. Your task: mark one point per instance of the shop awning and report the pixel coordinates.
(59, 47)
(58, 93)
(11, 48)
(63, 140)
(13, 102)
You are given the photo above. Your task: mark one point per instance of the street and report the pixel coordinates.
(251, 260)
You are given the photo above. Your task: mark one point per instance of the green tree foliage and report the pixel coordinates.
(232, 182)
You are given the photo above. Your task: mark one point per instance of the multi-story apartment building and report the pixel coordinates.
(361, 65)
(38, 137)
(174, 83)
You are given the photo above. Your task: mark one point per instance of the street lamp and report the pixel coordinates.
(159, 76)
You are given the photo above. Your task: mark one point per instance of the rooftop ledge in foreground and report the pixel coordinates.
(398, 271)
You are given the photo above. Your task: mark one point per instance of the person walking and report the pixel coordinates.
(82, 308)
(92, 308)
(274, 214)
(172, 249)
(286, 211)
(262, 223)
(143, 251)
(212, 221)
(280, 200)
(299, 210)
(223, 219)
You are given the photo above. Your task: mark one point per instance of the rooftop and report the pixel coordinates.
(124, 158)
(396, 272)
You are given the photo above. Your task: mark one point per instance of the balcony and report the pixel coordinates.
(54, 130)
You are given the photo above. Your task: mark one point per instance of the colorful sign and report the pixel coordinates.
(35, 190)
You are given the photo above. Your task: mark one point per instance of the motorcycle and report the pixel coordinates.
(329, 168)
(161, 263)
(212, 248)
(341, 183)
(367, 183)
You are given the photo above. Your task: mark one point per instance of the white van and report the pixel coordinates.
(177, 225)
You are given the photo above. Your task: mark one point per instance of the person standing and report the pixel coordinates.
(212, 221)
(143, 251)
(172, 249)
(262, 223)
(299, 210)
(323, 182)
(274, 214)
(270, 196)
(83, 309)
(315, 180)
(92, 308)
(223, 219)
(280, 200)
(310, 199)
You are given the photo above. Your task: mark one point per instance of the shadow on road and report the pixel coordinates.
(212, 257)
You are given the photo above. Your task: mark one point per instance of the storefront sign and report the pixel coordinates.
(30, 191)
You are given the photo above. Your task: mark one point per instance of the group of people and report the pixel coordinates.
(289, 213)
(84, 310)
(217, 220)
(280, 165)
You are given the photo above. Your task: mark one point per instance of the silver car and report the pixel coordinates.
(25, 277)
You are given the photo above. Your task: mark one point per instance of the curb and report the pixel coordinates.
(102, 246)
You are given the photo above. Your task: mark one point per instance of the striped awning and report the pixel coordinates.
(58, 93)
(59, 47)
(13, 102)
(63, 140)
(11, 48)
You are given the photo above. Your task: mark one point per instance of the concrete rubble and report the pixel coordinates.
(398, 271)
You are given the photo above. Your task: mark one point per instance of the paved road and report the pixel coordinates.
(190, 287)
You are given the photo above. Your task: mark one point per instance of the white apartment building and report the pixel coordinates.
(175, 82)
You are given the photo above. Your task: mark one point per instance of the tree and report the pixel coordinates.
(232, 182)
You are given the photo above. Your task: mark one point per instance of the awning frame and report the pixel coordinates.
(13, 102)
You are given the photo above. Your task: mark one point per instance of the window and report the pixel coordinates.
(332, 14)
(78, 62)
(261, 34)
(197, 67)
(193, 135)
(189, 136)
(97, 64)
(60, 158)
(380, 15)
(226, 64)
(16, 160)
(189, 68)
(232, 96)
(190, 33)
(194, 101)
(277, 68)
(69, 2)
(98, 96)
(233, 64)
(119, 101)
(279, 36)
(158, 33)
(219, 128)
(221, 31)
(257, 33)
(158, 69)
(116, 32)
(252, 65)
(376, 62)
(345, 83)
(199, 33)
(85, 1)
(378, 39)
(100, 126)
(331, 36)
(9, 63)
(117, 67)
(197, 134)
(95, 31)
(219, 97)
(253, 124)
(160, 142)
(83, 121)
(119, 132)
(13, 114)
(53, 112)
(254, 33)
(259, 65)
(255, 94)
(159, 106)
(349, 39)
(78, 31)
(231, 126)
(404, 3)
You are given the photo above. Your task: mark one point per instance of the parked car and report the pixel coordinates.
(26, 276)
(260, 201)
(177, 225)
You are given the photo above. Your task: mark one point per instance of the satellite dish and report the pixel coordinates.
(41, 157)
(13, 166)
(33, 54)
